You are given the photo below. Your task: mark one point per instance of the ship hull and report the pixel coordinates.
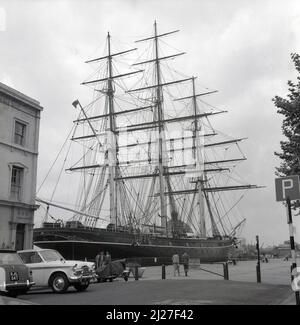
(86, 244)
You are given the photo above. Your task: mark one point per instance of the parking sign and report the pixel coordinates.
(287, 187)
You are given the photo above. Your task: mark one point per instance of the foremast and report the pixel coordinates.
(111, 151)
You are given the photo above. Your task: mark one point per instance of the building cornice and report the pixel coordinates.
(19, 97)
(17, 204)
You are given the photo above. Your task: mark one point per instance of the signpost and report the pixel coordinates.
(287, 189)
(258, 272)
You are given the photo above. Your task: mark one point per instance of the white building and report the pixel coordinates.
(19, 135)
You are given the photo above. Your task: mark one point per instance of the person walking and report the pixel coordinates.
(175, 261)
(185, 261)
(99, 259)
(107, 261)
(107, 258)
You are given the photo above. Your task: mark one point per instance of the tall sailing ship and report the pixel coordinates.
(152, 175)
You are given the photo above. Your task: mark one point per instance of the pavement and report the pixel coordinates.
(275, 272)
(204, 285)
(167, 292)
(14, 301)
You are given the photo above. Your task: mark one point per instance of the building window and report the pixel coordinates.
(16, 182)
(20, 132)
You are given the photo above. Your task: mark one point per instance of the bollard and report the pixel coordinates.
(163, 272)
(258, 274)
(136, 273)
(225, 270)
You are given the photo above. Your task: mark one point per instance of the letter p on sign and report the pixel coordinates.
(287, 187)
(287, 184)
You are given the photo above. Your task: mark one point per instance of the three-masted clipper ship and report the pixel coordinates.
(153, 174)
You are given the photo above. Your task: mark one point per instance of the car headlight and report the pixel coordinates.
(77, 271)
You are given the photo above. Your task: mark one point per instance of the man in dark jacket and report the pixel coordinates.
(185, 261)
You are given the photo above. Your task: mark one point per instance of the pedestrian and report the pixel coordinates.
(185, 261)
(99, 259)
(107, 258)
(175, 260)
(107, 262)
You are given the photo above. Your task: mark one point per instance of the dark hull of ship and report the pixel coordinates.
(87, 243)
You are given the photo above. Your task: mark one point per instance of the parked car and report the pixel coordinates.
(15, 276)
(50, 269)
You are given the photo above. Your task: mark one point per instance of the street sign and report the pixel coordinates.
(287, 187)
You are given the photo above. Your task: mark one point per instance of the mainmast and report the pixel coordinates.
(112, 142)
(161, 135)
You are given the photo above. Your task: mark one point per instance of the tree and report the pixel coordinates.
(290, 109)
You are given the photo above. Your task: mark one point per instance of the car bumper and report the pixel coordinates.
(16, 286)
(82, 278)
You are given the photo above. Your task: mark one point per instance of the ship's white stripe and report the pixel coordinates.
(125, 244)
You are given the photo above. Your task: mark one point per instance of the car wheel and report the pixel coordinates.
(59, 283)
(81, 286)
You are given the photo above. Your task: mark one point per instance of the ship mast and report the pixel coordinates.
(199, 164)
(161, 135)
(112, 143)
(111, 159)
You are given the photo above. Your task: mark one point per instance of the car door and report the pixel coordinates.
(36, 264)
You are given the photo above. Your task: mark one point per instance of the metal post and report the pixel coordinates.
(292, 243)
(136, 273)
(258, 272)
(163, 272)
(225, 271)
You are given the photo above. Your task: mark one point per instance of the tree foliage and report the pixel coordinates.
(290, 109)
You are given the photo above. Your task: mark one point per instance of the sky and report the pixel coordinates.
(242, 48)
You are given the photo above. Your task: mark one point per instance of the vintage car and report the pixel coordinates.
(15, 276)
(50, 269)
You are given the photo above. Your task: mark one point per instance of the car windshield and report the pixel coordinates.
(51, 255)
(10, 259)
